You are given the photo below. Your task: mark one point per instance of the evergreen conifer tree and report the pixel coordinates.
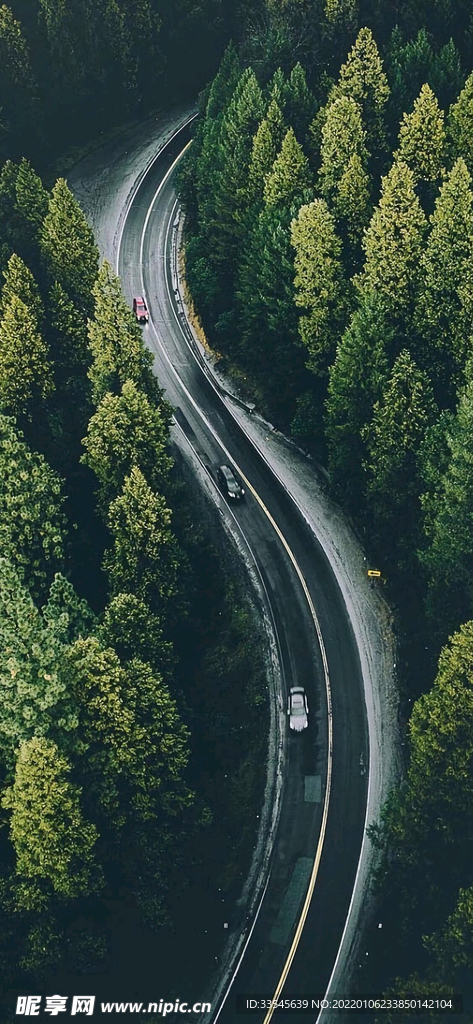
(422, 137)
(363, 78)
(116, 345)
(289, 175)
(443, 318)
(460, 125)
(25, 370)
(320, 286)
(68, 246)
(393, 243)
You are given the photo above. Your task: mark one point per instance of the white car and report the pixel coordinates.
(297, 709)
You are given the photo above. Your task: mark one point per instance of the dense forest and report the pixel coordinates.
(116, 623)
(329, 254)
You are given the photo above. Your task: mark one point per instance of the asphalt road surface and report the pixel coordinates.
(272, 525)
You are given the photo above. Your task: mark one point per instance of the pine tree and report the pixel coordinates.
(267, 313)
(239, 125)
(289, 175)
(34, 685)
(25, 370)
(343, 178)
(363, 78)
(31, 196)
(19, 282)
(393, 242)
(32, 522)
(127, 430)
(68, 247)
(450, 555)
(342, 13)
(299, 103)
(144, 559)
(320, 286)
(343, 136)
(51, 839)
(400, 420)
(134, 748)
(460, 125)
(265, 148)
(131, 629)
(443, 320)
(422, 137)
(116, 345)
(358, 376)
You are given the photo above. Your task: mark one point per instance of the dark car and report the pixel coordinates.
(297, 709)
(140, 309)
(229, 484)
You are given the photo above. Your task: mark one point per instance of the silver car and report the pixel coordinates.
(297, 709)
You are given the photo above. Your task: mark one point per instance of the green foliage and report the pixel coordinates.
(19, 282)
(450, 555)
(343, 177)
(298, 102)
(459, 125)
(25, 370)
(132, 747)
(438, 797)
(67, 245)
(442, 319)
(265, 148)
(32, 521)
(116, 345)
(400, 420)
(320, 286)
(127, 430)
(289, 175)
(50, 837)
(134, 632)
(268, 315)
(34, 686)
(363, 78)
(452, 946)
(357, 378)
(144, 557)
(422, 137)
(412, 63)
(393, 242)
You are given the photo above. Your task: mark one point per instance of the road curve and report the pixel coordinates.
(145, 256)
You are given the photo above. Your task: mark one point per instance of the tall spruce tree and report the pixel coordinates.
(19, 281)
(363, 78)
(422, 137)
(289, 175)
(443, 317)
(400, 420)
(51, 839)
(68, 247)
(32, 521)
(116, 345)
(265, 148)
(393, 243)
(127, 430)
(26, 378)
(460, 125)
(358, 376)
(144, 559)
(320, 285)
(344, 181)
(449, 558)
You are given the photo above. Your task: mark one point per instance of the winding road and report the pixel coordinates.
(291, 941)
